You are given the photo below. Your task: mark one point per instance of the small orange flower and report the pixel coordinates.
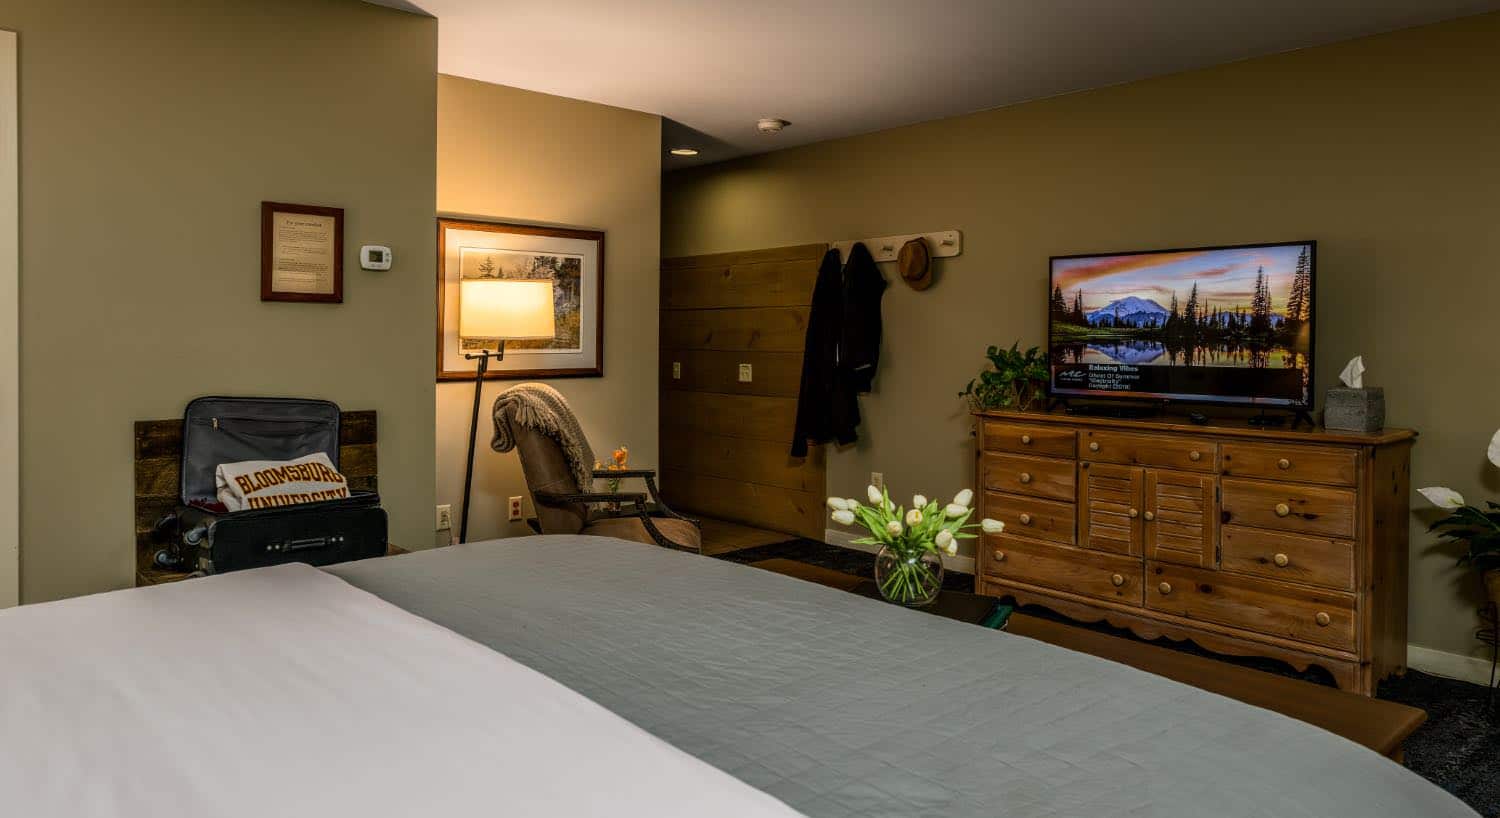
(622, 456)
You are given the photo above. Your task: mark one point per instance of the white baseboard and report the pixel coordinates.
(845, 539)
(1449, 665)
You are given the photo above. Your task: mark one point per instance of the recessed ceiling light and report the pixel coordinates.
(683, 151)
(771, 125)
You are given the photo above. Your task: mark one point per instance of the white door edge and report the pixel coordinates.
(10, 313)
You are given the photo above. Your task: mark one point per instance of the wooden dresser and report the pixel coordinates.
(1279, 543)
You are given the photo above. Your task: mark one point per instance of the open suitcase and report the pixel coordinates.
(219, 430)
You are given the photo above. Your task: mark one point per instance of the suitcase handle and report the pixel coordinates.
(306, 544)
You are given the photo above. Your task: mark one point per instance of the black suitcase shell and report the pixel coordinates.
(227, 430)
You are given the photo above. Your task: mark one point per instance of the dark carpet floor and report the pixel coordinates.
(1458, 748)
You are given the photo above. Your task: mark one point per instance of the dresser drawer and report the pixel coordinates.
(1294, 557)
(1186, 454)
(1019, 438)
(1302, 464)
(1272, 608)
(1031, 476)
(1033, 517)
(1088, 573)
(1300, 509)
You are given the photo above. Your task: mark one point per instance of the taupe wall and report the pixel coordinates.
(516, 156)
(1382, 149)
(150, 133)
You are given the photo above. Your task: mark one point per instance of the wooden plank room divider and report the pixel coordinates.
(725, 443)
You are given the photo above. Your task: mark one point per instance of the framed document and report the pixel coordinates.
(572, 259)
(301, 253)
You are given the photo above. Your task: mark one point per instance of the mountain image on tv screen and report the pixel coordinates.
(1225, 324)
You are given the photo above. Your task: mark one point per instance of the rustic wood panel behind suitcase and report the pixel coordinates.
(724, 444)
(158, 464)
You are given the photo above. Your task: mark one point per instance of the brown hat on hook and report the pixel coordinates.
(915, 264)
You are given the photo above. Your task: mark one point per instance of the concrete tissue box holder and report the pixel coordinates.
(1354, 410)
(1354, 407)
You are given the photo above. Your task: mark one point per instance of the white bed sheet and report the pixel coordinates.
(288, 692)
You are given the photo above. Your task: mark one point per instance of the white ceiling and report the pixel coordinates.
(835, 68)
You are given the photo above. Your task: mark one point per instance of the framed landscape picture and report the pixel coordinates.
(573, 260)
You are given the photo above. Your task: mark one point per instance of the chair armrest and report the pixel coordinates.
(634, 498)
(562, 498)
(612, 474)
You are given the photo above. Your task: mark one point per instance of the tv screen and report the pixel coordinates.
(1208, 324)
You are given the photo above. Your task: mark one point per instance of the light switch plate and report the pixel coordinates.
(444, 517)
(746, 375)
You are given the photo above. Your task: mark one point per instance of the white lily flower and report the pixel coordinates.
(991, 526)
(918, 501)
(838, 504)
(843, 517)
(1495, 449)
(914, 517)
(952, 549)
(964, 498)
(943, 539)
(1442, 497)
(876, 498)
(893, 528)
(955, 510)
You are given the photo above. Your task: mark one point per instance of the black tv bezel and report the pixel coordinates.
(1263, 403)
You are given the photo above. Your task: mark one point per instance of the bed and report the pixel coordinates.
(760, 692)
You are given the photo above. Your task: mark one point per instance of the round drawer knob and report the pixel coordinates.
(1025, 519)
(1195, 456)
(1025, 477)
(1165, 588)
(1025, 440)
(1322, 619)
(1283, 464)
(1282, 509)
(1133, 513)
(999, 556)
(1281, 560)
(1150, 515)
(1116, 580)
(1094, 447)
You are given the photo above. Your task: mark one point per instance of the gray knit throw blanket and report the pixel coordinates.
(540, 408)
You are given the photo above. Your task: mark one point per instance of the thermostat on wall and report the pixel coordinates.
(375, 257)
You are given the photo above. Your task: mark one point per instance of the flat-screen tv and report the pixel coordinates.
(1231, 325)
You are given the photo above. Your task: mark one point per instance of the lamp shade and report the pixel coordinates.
(508, 308)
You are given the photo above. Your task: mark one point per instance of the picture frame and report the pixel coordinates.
(301, 253)
(573, 258)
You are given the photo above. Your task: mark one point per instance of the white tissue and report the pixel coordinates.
(1353, 375)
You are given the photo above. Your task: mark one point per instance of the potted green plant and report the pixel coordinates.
(909, 564)
(1477, 529)
(1016, 380)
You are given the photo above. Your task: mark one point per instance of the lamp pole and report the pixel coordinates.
(484, 365)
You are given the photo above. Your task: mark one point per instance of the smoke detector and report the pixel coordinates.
(771, 125)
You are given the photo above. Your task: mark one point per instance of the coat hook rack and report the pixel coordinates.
(940, 244)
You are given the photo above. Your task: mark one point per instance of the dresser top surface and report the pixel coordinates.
(1227, 427)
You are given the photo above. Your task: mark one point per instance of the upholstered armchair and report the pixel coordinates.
(562, 509)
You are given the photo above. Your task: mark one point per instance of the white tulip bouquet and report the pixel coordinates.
(909, 567)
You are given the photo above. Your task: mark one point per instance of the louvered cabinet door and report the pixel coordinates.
(1109, 507)
(1179, 518)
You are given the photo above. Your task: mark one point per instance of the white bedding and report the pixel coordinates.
(288, 692)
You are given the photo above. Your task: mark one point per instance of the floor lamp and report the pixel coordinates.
(498, 310)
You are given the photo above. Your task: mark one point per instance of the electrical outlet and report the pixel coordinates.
(745, 373)
(445, 517)
(515, 508)
(877, 479)
(677, 370)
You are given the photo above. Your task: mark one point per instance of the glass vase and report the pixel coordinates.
(912, 578)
